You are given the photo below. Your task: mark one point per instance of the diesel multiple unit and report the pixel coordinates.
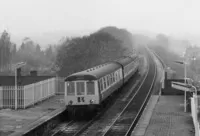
(88, 89)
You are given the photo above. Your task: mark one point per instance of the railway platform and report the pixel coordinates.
(164, 116)
(19, 122)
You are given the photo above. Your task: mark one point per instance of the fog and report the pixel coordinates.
(41, 18)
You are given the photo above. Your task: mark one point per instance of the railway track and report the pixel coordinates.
(78, 128)
(60, 128)
(112, 122)
(128, 118)
(121, 123)
(69, 129)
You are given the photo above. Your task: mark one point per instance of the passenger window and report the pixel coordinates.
(80, 87)
(117, 75)
(70, 88)
(111, 79)
(99, 84)
(104, 82)
(90, 88)
(108, 83)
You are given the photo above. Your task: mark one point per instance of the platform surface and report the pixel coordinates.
(13, 122)
(165, 116)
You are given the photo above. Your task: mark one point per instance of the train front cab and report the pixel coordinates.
(81, 94)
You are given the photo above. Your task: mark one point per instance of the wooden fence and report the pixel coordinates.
(30, 94)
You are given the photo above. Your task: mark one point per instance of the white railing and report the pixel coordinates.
(60, 86)
(7, 96)
(40, 91)
(30, 94)
(1, 97)
(194, 110)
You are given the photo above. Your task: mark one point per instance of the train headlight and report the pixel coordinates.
(70, 102)
(91, 101)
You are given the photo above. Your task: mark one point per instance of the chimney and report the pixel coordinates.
(33, 73)
(19, 80)
(19, 72)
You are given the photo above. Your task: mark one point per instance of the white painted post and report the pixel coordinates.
(24, 96)
(185, 75)
(18, 65)
(33, 94)
(1, 97)
(41, 97)
(15, 88)
(48, 86)
(41, 91)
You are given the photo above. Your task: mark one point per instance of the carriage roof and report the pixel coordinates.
(95, 72)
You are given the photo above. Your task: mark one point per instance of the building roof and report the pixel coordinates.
(22, 80)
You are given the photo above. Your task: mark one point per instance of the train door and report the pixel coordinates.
(69, 92)
(80, 92)
(92, 92)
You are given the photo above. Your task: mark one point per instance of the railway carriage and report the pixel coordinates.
(129, 66)
(92, 86)
(87, 90)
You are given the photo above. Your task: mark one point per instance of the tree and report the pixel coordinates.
(162, 40)
(49, 52)
(38, 49)
(82, 53)
(5, 51)
(193, 58)
(14, 49)
(126, 38)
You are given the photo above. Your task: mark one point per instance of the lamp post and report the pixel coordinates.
(195, 78)
(185, 79)
(18, 65)
(185, 76)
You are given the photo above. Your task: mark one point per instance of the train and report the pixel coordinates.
(88, 89)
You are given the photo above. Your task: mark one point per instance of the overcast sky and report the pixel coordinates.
(36, 16)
